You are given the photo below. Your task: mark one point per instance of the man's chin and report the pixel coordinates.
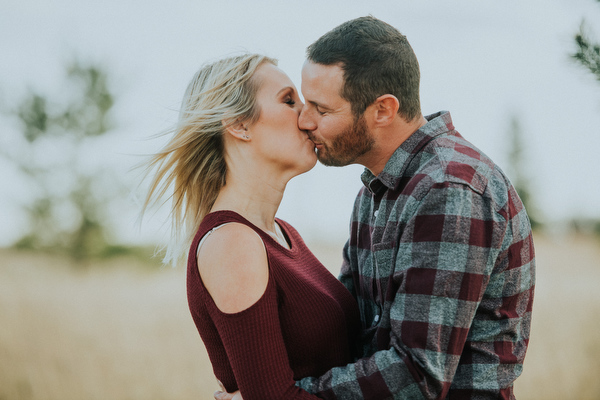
(329, 161)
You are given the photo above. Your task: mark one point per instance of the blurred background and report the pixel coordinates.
(87, 311)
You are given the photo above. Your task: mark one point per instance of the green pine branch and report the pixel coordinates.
(588, 51)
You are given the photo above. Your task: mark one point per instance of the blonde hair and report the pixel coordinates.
(192, 163)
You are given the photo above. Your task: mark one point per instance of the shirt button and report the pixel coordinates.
(375, 213)
(376, 320)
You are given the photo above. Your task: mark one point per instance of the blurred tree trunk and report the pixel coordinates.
(518, 175)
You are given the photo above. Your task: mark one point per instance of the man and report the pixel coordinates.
(440, 256)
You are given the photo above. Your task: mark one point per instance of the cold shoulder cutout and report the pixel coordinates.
(233, 266)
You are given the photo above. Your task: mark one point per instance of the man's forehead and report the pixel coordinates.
(321, 83)
(315, 71)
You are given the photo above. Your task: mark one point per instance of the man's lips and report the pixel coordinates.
(312, 139)
(317, 145)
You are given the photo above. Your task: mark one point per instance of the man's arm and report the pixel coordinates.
(445, 257)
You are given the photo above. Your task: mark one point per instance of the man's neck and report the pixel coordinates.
(387, 140)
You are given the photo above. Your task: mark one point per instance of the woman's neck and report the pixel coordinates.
(254, 197)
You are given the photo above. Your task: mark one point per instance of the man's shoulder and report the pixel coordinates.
(450, 158)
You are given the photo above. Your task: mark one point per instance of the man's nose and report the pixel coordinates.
(305, 122)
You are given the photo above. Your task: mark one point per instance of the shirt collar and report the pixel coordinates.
(390, 177)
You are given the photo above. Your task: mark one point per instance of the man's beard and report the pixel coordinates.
(347, 146)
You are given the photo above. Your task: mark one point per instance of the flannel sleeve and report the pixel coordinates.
(447, 246)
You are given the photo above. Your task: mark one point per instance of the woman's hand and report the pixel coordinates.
(228, 396)
(223, 395)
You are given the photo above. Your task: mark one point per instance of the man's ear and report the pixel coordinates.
(237, 129)
(385, 109)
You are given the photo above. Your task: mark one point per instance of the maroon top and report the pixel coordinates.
(301, 326)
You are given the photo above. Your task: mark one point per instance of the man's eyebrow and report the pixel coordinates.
(316, 104)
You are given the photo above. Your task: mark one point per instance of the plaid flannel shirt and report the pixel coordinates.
(441, 261)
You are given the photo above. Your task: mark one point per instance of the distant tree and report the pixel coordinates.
(69, 195)
(588, 56)
(517, 172)
(588, 50)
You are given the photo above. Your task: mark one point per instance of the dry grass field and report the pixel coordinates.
(121, 331)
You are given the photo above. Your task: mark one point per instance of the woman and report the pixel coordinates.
(267, 310)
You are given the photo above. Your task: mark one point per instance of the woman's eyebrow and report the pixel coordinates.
(284, 89)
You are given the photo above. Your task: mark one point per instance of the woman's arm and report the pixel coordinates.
(234, 268)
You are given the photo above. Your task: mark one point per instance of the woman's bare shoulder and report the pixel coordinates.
(233, 265)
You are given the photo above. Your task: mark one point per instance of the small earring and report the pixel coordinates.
(246, 137)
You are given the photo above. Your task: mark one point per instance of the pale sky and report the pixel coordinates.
(483, 61)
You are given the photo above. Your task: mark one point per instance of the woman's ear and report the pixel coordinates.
(237, 129)
(385, 109)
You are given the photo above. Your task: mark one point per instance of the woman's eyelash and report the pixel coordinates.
(289, 101)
